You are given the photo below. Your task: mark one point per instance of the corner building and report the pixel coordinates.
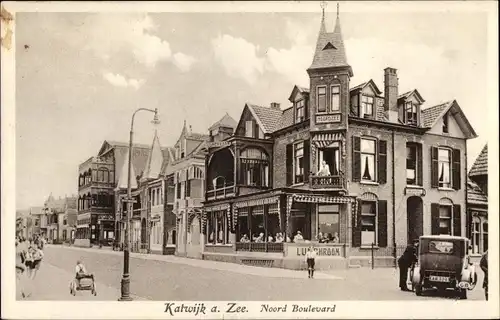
(368, 169)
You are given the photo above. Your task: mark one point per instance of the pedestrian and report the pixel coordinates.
(484, 266)
(20, 270)
(34, 260)
(310, 260)
(407, 259)
(298, 237)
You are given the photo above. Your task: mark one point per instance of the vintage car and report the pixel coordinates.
(443, 264)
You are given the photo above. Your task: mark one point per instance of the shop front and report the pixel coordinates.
(277, 230)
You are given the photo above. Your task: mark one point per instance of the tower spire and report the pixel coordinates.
(323, 5)
(337, 10)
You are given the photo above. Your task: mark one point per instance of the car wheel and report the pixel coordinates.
(418, 290)
(462, 294)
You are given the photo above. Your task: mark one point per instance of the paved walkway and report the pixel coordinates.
(52, 283)
(216, 265)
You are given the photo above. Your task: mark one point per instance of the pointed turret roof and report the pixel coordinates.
(330, 50)
(226, 121)
(122, 181)
(154, 161)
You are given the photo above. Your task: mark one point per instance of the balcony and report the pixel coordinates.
(259, 247)
(221, 193)
(336, 182)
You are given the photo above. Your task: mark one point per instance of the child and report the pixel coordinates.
(81, 272)
(310, 259)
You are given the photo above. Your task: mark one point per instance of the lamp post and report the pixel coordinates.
(125, 282)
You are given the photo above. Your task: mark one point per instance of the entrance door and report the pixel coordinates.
(415, 218)
(193, 245)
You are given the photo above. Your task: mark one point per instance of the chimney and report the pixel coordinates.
(391, 94)
(275, 106)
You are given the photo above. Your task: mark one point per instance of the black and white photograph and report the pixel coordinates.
(250, 159)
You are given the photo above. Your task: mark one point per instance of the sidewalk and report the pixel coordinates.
(52, 283)
(215, 265)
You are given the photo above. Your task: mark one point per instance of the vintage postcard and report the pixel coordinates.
(246, 160)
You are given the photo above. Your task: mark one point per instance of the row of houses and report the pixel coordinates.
(356, 167)
(55, 220)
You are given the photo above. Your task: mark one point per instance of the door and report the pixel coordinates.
(194, 243)
(415, 218)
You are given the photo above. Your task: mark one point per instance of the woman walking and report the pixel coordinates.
(310, 259)
(20, 270)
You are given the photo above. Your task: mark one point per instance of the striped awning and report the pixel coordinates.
(82, 226)
(322, 199)
(219, 207)
(324, 140)
(256, 202)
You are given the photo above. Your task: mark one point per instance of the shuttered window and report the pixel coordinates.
(369, 160)
(445, 168)
(446, 219)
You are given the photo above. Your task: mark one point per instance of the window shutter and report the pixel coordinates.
(306, 109)
(455, 169)
(382, 223)
(420, 180)
(434, 168)
(289, 164)
(401, 113)
(356, 227)
(382, 161)
(457, 221)
(435, 218)
(307, 167)
(256, 129)
(356, 159)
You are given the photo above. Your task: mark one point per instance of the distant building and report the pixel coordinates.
(477, 203)
(57, 213)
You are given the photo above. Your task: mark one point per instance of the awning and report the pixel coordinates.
(322, 199)
(324, 140)
(82, 226)
(256, 202)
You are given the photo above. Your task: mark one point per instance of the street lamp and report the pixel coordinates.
(125, 283)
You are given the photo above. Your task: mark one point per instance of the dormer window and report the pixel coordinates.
(335, 101)
(300, 111)
(411, 113)
(445, 123)
(367, 106)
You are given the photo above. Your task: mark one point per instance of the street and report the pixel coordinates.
(160, 278)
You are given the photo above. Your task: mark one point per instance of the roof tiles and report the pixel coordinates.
(269, 117)
(480, 166)
(475, 195)
(431, 114)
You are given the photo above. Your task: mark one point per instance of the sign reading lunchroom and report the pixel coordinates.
(321, 251)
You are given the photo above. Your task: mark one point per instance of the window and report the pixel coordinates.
(444, 161)
(367, 105)
(485, 236)
(249, 127)
(188, 188)
(411, 164)
(445, 219)
(476, 225)
(36, 223)
(368, 222)
(179, 190)
(329, 220)
(254, 168)
(411, 113)
(321, 99)
(65, 222)
(300, 111)
(445, 123)
(298, 162)
(218, 229)
(335, 101)
(368, 160)
(331, 157)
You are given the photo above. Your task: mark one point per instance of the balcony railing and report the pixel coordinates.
(136, 212)
(221, 193)
(328, 182)
(260, 246)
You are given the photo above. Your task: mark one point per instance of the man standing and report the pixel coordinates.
(484, 266)
(408, 258)
(310, 260)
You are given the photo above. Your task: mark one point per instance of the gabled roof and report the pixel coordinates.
(480, 166)
(330, 51)
(431, 115)
(410, 93)
(108, 144)
(267, 117)
(296, 89)
(286, 119)
(364, 84)
(226, 121)
(475, 195)
(168, 158)
(154, 161)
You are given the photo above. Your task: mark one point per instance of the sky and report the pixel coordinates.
(80, 76)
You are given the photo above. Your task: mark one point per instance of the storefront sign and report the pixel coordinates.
(218, 144)
(105, 217)
(324, 251)
(328, 118)
(420, 192)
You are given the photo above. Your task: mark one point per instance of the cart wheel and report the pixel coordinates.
(418, 290)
